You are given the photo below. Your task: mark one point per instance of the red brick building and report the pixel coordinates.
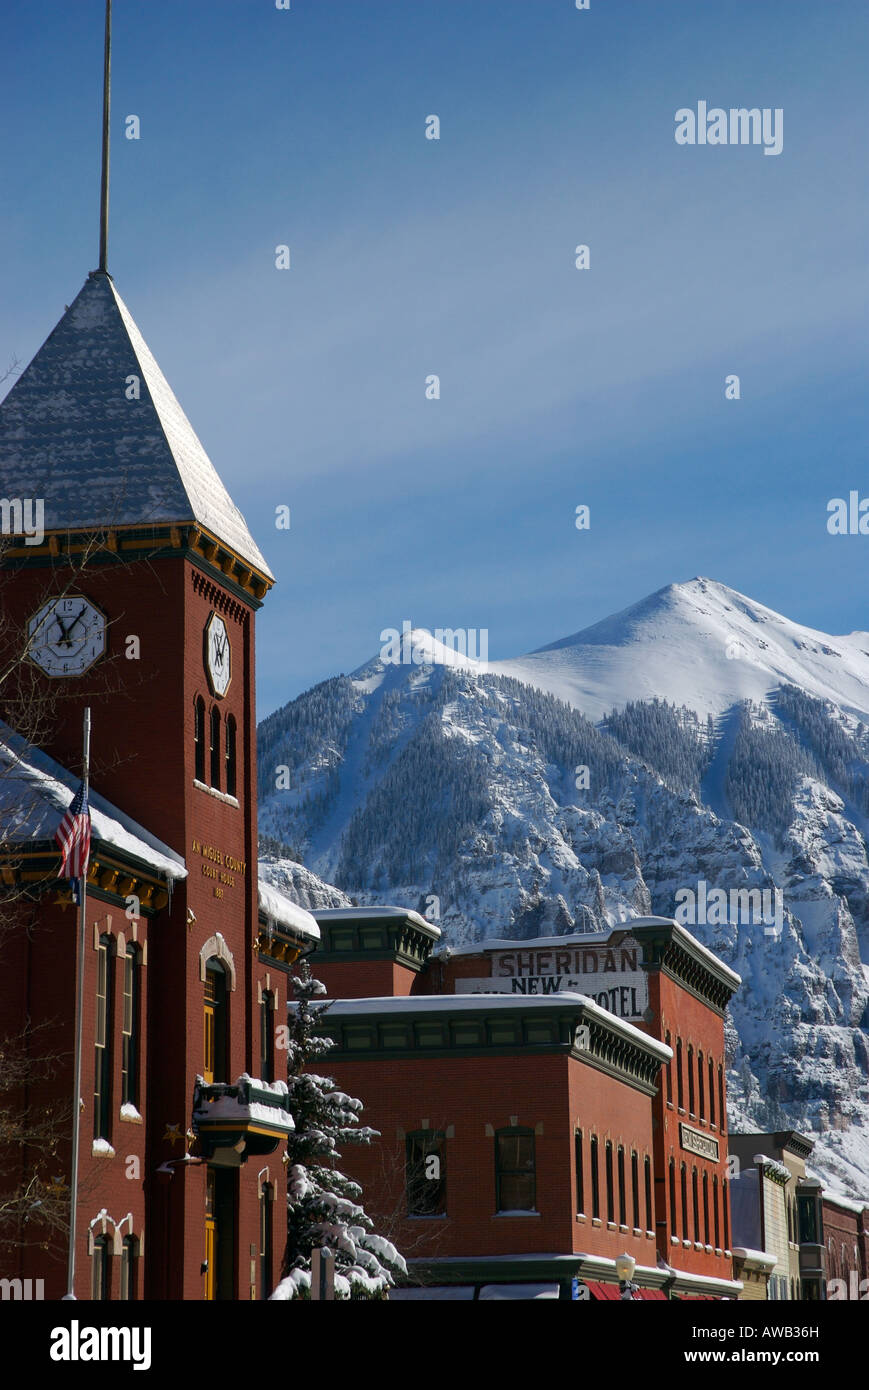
(545, 1106)
(845, 1234)
(139, 601)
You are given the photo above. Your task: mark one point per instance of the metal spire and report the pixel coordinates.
(107, 101)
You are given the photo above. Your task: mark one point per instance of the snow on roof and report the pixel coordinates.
(773, 1167)
(484, 1003)
(533, 943)
(349, 914)
(70, 435)
(838, 1199)
(35, 792)
(284, 911)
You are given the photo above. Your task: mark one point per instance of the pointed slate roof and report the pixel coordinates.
(69, 435)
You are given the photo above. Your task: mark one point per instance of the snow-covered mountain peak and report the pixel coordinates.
(699, 644)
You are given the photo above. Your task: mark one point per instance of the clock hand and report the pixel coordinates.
(66, 631)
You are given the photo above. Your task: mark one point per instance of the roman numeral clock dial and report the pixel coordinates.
(67, 636)
(218, 657)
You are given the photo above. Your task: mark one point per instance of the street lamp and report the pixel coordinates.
(625, 1266)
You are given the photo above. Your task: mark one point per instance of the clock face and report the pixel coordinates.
(66, 636)
(218, 657)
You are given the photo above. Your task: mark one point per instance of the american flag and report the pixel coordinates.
(74, 838)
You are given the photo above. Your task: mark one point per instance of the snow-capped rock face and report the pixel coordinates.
(478, 797)
(299, 884)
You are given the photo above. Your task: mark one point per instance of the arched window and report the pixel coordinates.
(230, 759)
(131, 1026)
(215, 747)
(580, 1177)
(129, 1267)
(695, 1196)
(266, 1238)
(267, 1037)
(103, 1040)
(715, 1211)
(515, 1170)
(711, 1091)
(684, 1202)
(215, 1011)
(706, 1228)
(669, 1074)
(701, 1087)
(101, 1269)
(680, 1085)
(647, 1169)
(199, 739)
(674, 1225)
(595, 1179)
(635, 1188)
(722, 1109)
(610, 1199)
(691, 1111)
(725, 1216)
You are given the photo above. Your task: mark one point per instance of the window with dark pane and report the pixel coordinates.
(199, 739)
(426, 1173)
(215, 747)
(515, 1174)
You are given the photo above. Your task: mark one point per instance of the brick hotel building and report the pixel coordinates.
(571, 1091)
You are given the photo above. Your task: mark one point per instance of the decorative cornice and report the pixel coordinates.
(666, 947)
(373, 938)
(572, 1028)
(121, 544)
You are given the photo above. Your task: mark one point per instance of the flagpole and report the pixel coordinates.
(79, 1002)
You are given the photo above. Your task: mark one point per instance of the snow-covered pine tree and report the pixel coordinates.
(324, 1209)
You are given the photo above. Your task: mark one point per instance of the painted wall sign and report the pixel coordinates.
(609, 975)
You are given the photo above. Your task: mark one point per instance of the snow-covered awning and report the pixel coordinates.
(283, 912)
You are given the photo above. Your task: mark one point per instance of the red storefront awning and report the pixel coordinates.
(603, 1291)
(611, 1292)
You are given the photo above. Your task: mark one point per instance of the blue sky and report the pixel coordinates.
(410, 257)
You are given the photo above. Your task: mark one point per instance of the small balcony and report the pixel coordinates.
(244, 1120)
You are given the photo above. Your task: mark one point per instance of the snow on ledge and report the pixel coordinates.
(284, 912)
(348, 914)
(755, 1257)
(464, 1003)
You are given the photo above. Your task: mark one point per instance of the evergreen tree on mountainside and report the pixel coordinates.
(323, 1206)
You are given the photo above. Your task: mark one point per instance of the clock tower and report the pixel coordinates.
(139, 601)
